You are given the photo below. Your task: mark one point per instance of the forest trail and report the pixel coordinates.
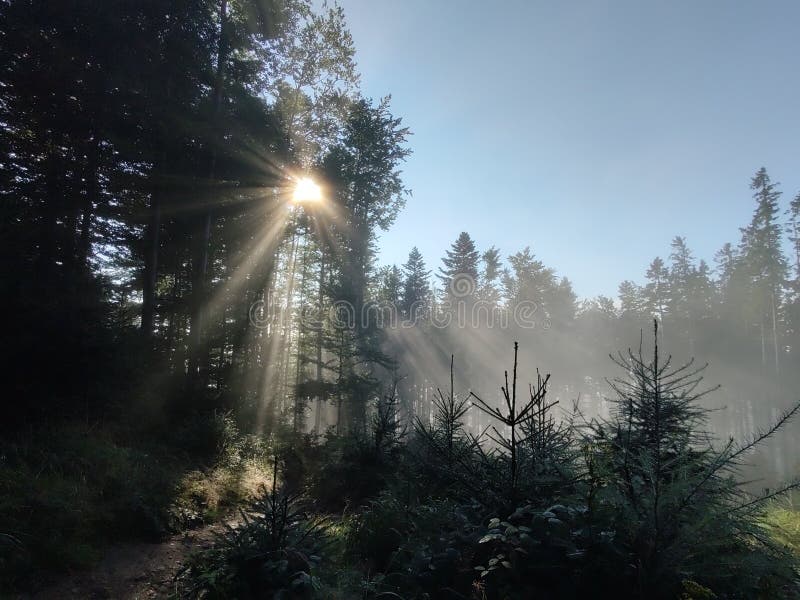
(133, 571)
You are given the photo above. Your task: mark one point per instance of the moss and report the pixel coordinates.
(783, 524)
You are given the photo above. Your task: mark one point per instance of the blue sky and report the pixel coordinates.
(593, 131)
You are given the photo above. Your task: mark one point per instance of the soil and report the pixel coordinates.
(135, 571)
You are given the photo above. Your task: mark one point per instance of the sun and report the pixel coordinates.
(305, 190)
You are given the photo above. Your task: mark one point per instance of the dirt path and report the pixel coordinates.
(132, 571)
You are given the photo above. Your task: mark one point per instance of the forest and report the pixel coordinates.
(204, 355)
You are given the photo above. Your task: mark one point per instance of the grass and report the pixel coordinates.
(67, 491)
(782, 521)
(208, 494)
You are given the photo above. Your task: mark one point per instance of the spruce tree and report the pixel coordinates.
(632, 302)
(364, 176)
(731, 281)
(529, 280)
(765, 265)
(416, 287)
(792, 308)
(459, 275)
(682, 511)
(681, 276)
(702, 293)
(794, 235)
(492, 270)
(561, 304)
(656, 290)
(390, 285)
(761, 240)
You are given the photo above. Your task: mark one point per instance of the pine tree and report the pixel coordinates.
(681, 276)
(792, 308)
(674, 485)
(765, 263)
(516, 418)
(656, 291)
(529, 281)
(605, 306)
(363, 171)
(561, 304)
(85, 112)
(794, 234)
(459, 275)
(631, 297)
(732, 284)
(391, 285)
(702, 291)
(416, 288)
(490, 276)
(761, 240)
(726, 260)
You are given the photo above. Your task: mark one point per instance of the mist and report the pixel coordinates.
(399, 300)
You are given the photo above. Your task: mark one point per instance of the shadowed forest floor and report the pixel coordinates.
(132, 571)
(101, 514)
(352, 493)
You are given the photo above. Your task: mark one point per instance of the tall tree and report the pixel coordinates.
(764, 262)
(459, 273)
(78, 89)
(416, 288)
(313, 78)
(631, 298)
(490, 276)
(562, 304)
(793, 302)
(241, 28)
(702, 293)
(364, 175)
(794, 233)
(528, 280)
(167, 79)
(656, 291)
(390, 286)
(680, 278)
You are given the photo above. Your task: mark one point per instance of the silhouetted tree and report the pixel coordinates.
(460, 266)
(490, 276)
(657, 289)
(363, 171)
(765, 264)
(416, 288)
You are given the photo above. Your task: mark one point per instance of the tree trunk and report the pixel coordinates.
(198, 362)
(48, 234)
(150, 278)
(299, 376)
(320, 308)
(775, 335)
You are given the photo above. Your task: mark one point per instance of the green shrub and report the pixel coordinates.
(68, 490)
(677, 508)
(208, 437)
(350, 471)
(271, 554)
(379, 531)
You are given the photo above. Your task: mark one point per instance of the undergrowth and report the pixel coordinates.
(543, 505)
(69, 490)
